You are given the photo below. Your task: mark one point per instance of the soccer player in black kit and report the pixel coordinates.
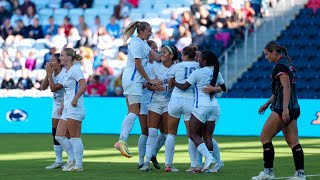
(285, 112)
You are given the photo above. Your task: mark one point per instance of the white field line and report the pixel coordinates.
(311, 175)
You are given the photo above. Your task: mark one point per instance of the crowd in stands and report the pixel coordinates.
(28, 40)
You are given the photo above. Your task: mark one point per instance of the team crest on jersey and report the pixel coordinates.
(316, 121)
(16, 115)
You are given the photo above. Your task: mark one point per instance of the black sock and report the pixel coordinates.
(55, 142)
(268, 155)
(298, 157)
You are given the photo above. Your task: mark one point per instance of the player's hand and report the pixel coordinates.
(74, 102)
(208, 89)
(262, 109)
(48, 68)
(155, 81)
(285, 115)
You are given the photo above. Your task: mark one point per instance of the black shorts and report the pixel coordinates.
(293, 113)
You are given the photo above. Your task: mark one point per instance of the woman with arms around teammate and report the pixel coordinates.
(75, 85)
(285, 112)
(181, 102)
(158, 106)
(203, 108)
(134, 76)
(54, 80)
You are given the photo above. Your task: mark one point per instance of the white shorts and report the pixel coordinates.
(215, 114)
(133, 99)
(75, 113)
(203, 113)
(55, 114)
(144, 108)
(179, 105)
(145, 100)
(132, 88)
(158, 107)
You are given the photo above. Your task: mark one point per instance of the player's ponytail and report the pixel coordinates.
(212, 60)
(190, 51)
(131, 28)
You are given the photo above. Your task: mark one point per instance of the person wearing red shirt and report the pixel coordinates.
(98, 86)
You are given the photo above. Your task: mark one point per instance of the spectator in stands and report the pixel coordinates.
(187, 20)
(85, 39)
(38, 81)
(249, 12)
(105, 69)
(195, 7)
(230, 9)
(113, 28)
(25, 6)
(47, 56)
(28, 17)
(97, 58)
(51, 29)
(82, 25)
(185, 39)
(68, 4)
(214, 8)
(97, 86)
(60, 39)
(204, 18)
(7, 82)
(102, 40)
(25, 82)
(14, 4)
(35, 30)
(20, 29)
(4, 13)
(174, 21)
(117, 86)
(85, 4)
(67, 25)
(18, 61)
(162, 33)
(6, 29)
(5, 58)
(15, 17)
(121, 10)
(73, 38)
(31, 61)
(97, 24)
(199, 38)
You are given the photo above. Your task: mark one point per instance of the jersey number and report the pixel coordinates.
(188, 71)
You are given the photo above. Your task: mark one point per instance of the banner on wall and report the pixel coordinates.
(239, 117)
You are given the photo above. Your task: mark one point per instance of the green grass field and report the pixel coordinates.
(25, 156)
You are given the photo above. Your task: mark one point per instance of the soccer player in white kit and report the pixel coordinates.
(181, 102)
(134, 76)
(145, 99)
(203, 107)
(75, 85)
(54, 79)
(158, 106)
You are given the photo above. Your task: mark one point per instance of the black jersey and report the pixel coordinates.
(283, 66)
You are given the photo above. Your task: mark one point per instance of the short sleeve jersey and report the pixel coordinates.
(181, 72)
(58, 95)
(200, 79)
(283, 66)
(137, 48)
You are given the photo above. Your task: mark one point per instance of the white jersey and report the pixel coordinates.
(181, 72)
(158, 70)
(58, 95)
(71, 85)
(200, 79)
(137, 48)
(220, 81)
(146, 93)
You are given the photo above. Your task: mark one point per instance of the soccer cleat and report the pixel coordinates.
(196, 170)
(263, 176)
(123, 148)
(74, 168)
(145, 167)
(68, 165)
(298, 176)
(217, 167)
(155, 162)
(190, 169)
(140, 166)
(54, 165)
(208, 164)
(170, 169)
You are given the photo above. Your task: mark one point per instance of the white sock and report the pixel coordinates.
(216, 151)
(169, 151)
(71, 158)
(192, 149)
(202, 148)
(142, 148)
(161, 139)
(198, 159)
(58, 151)
(67, 147)
(78, 150)
(127, 125)
(150, 143)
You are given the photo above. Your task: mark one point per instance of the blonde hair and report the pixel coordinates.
(73, 53)
(131, 28)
